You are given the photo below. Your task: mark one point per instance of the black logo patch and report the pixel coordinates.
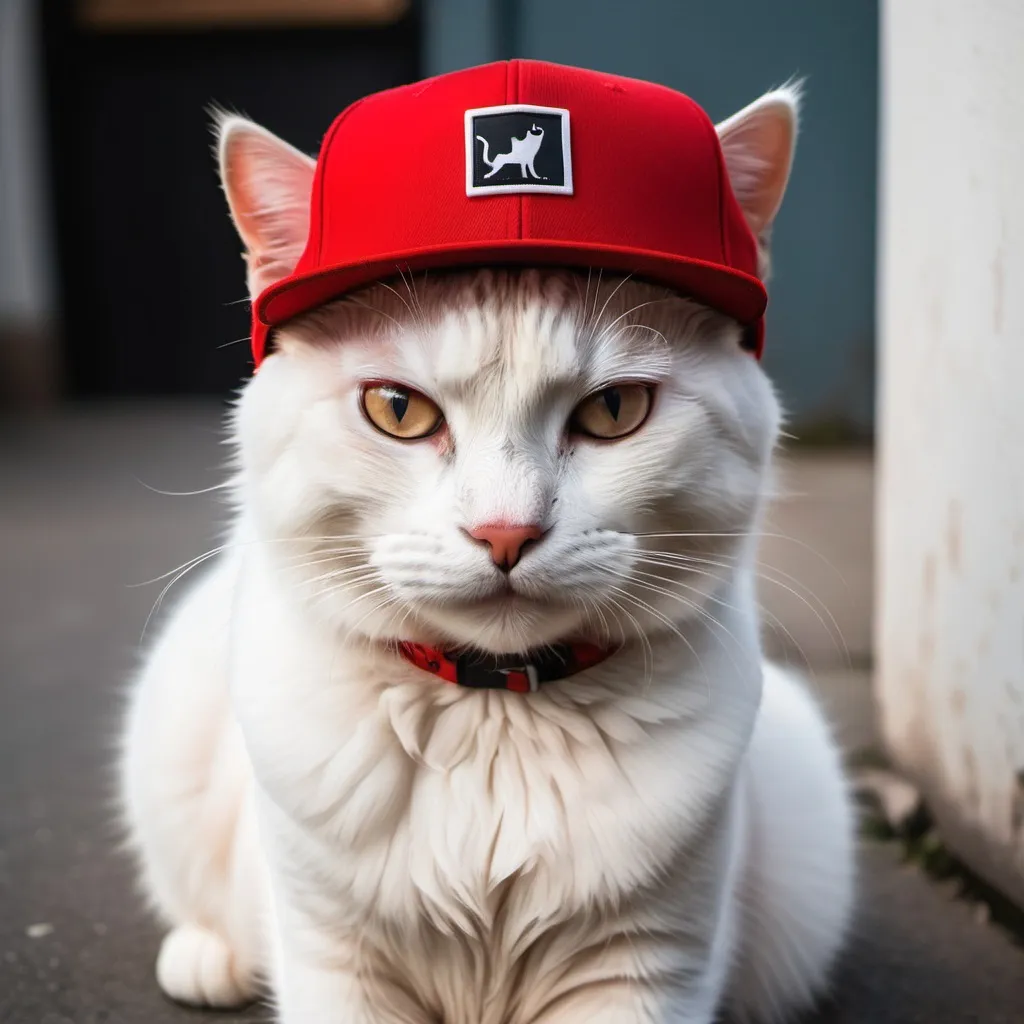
(518, 148)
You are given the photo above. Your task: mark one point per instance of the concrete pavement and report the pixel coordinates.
(78, 527)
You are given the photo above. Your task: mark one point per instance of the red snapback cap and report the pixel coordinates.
(519, 163)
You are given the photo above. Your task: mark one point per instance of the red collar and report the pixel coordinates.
(524, 674)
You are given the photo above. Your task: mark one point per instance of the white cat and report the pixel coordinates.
(523, 152)
(656, 838)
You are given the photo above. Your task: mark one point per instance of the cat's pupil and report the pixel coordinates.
(399, 405)
(613, 400)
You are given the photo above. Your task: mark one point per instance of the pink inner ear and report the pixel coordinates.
(758, 151)
(268, 185)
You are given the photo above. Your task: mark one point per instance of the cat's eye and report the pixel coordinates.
(612, 412)
(401, 412)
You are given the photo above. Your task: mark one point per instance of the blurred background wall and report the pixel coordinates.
(119, 271)
(821, 336)
(28, 368)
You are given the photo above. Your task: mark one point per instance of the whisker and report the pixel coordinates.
(716, 625)
(174, 579)
(611, 296)
(831, 627)
(184, 565)
(411, 286)
(622, 316)
(394, 291)
(697, 560)
(776, 623)
(339, 575)
(689, 604)
(645, 327)
(605, 630)
(645, 643)
(376, 608)
(321, 557)
(239, 544)
(597, 295)
(325, 592)
(224, 485)
(373, 309)
(405, 616)
(586, 297)
(185, 568)
(643, 605)
(769, 534)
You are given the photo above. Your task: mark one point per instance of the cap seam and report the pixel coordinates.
(516, 94)
(510, 209)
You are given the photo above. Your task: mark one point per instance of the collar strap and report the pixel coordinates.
(523, 674)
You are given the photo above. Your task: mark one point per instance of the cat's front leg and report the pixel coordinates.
(321, 975)
(313, 990)
(307, 992)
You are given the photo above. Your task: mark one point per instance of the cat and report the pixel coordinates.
(661, 837)
(523, 152)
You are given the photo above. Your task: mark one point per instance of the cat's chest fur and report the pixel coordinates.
(420, 802)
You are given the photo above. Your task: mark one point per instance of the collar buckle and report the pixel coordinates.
(491, 674)
(529, 671)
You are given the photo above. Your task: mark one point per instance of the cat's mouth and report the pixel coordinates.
(503, 599)
(503, 596)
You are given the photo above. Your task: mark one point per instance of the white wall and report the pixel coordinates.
(950, 615)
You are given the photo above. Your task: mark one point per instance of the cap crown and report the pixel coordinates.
(524, 163)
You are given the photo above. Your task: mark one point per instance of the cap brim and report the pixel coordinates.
(730, 291)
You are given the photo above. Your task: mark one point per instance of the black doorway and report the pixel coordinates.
(150, 275)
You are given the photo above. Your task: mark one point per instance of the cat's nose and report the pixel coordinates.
(506, 542)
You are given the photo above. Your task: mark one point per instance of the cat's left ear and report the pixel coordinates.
(758, 144)
(268, 184)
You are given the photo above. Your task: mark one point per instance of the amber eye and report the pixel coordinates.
(401, 412)
(613, 412)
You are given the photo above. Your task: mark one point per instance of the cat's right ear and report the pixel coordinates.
(268, 186)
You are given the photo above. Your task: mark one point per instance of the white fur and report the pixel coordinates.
(643, 843)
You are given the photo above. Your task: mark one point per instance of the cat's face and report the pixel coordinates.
(496, 384)
(519, 384)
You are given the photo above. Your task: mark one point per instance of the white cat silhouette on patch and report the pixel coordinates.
(545, 130)
(523, 152)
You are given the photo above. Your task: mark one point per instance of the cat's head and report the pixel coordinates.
(502, 458)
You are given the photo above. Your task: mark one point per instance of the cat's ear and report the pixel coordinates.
(758, 143)
(268, 186)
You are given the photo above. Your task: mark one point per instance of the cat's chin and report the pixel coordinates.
(504, 623)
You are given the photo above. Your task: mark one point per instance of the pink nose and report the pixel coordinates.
(506, 542)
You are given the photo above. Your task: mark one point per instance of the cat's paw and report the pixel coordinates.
(197, 967)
